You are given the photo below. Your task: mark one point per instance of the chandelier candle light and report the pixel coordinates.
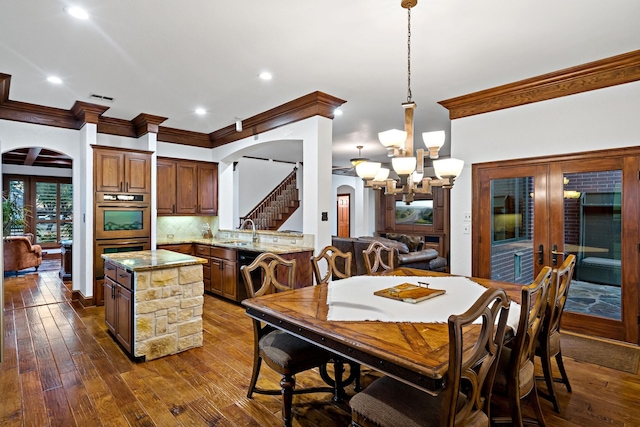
(399, 145)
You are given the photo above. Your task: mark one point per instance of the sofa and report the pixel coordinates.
(408, 252)
(20, 253)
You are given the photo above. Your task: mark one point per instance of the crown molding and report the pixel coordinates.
(313, 104)
(184, 137)
(600, 74)
(316, 103)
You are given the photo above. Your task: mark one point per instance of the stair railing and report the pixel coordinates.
(265, 213)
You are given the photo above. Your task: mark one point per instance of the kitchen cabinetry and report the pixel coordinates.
(183, 248)
(118, 304)
(204, 251)
(224, 268)
(120, 171)
(187, 187)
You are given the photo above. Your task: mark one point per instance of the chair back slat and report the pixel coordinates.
(558, 294)
(375, 255)
(473, 350)
(331, 255)
(271, 267)
(533, 305)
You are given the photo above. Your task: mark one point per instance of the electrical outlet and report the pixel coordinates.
(466, 229)
(293, 241)
(275, 239)
(467, 217)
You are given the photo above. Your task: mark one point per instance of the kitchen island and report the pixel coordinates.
(153, 302)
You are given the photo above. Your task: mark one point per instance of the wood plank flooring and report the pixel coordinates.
(61, 368)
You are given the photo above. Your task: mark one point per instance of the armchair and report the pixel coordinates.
(19, 253)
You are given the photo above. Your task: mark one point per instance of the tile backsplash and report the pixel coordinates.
(184, 226)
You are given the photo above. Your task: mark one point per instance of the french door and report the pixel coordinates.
(532, 213)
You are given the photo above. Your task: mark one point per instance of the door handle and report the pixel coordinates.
(540, 254)
(554, 255)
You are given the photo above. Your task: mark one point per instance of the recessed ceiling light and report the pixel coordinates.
(337, 112)
(265, 75)
(54, 80)
(77, 12)
(201, 111)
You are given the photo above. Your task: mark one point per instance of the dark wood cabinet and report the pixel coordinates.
(187, 187)
(204, 251)
(166, 187)
(117, 171)
(207, 189)
(118, 304)
(183, 248)
(224, 272)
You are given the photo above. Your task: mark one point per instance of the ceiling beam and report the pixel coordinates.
(33, 154)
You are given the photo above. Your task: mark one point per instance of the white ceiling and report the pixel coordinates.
(167, 57)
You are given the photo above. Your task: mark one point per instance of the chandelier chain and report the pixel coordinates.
(409, 95)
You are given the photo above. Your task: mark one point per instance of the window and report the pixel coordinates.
(512, 207)
(53, 211)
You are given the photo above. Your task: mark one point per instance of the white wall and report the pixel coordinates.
(595, 120)
(362, 209)
(256, 178)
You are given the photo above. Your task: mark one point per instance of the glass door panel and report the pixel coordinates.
(593, 233)
(512, 221)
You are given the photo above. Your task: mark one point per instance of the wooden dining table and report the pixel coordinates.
(413, 352)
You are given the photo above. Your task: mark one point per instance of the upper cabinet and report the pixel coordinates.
(121, 171)
(187, 187)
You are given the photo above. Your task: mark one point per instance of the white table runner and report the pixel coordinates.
(352, 299)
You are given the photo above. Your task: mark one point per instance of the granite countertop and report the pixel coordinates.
(242, 245)
(152, 260)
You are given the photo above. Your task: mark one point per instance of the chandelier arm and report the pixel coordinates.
(409, 94)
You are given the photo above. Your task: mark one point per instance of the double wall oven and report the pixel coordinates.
(122, 224)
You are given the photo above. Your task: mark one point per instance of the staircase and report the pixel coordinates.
(277, 206)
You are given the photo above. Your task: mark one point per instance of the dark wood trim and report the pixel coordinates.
(146, 123)
(38, 115)
(607, 72)
(87, 112)
(82, 300)
(585, 155)
(313, 104)
(5, 83)
(117, 127)
(184, 137)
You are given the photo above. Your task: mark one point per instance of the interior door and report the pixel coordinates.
(344, 225)
(538, 213)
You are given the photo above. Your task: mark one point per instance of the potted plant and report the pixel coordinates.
(13, 216)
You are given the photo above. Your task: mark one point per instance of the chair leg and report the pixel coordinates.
(563, 373)
(355, 368)
(515, 408)
(287, 383)
(535, 402)
(257, 362)
(338, 388)
(548, 379)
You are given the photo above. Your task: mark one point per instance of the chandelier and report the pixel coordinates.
(399, 145)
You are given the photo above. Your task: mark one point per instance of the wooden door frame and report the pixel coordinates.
(338, 209)
(630, 158)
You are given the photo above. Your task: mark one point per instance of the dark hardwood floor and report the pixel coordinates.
(61, 368)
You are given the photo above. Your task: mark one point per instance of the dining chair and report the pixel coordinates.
(338, 264)
(473, 349)
(549, 339)
(281, 351)
(374, 257)
(338, 267)
(515, 378)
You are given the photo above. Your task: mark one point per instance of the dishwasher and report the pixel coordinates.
(246, 258)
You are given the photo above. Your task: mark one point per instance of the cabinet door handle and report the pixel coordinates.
(120, 186)
(173, 209)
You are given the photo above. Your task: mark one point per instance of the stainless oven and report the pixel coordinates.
(122, 216)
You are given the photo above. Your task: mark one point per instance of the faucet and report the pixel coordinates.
(254, 235)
